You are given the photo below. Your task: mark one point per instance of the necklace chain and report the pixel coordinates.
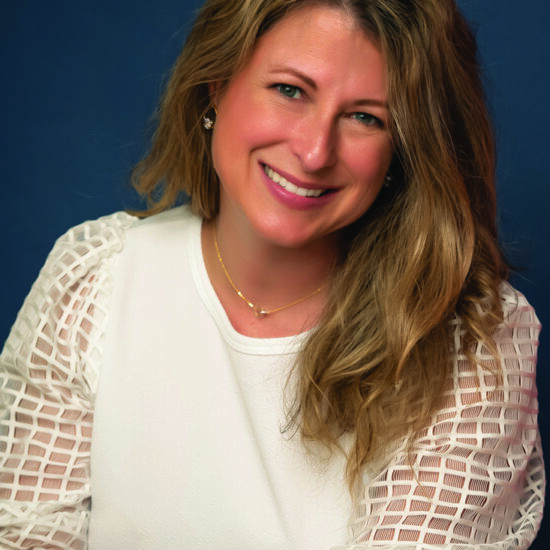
(258, 310)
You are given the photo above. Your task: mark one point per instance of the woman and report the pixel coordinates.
(320, 351)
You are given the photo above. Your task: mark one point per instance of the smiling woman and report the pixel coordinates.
(320, 350)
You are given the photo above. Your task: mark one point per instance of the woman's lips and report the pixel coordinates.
(293, 193)
(301, 189)
(289, 186)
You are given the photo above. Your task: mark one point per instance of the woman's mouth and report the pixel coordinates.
(291, 187)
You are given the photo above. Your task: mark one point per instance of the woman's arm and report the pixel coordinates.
(48, 372)
(477, 477)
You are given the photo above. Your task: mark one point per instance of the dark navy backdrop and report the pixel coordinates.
(80, 80)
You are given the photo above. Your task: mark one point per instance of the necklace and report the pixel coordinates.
(258, 310)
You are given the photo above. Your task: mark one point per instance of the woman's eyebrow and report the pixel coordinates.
(372, 102)
(299, 74)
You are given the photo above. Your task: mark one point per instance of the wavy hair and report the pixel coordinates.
(426, 252)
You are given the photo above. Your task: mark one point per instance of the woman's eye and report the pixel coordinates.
(366, 119)
(289, 91)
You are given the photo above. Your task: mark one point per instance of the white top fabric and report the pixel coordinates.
(123, 332)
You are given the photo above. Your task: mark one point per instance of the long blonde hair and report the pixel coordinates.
(424, 254)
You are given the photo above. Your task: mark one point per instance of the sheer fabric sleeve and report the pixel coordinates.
(48, 372)
(477, 477)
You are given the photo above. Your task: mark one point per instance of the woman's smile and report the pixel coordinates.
(293, 193)
(291, 187)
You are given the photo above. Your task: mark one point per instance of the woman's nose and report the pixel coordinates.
(315, 143)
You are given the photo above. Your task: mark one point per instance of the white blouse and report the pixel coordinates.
(122, 331)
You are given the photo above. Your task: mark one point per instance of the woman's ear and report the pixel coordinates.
(214, 91)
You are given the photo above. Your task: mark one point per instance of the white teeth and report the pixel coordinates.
(290, 187)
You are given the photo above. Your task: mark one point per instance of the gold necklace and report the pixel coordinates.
(258, 311)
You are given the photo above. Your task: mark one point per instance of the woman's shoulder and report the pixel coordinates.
(518, 313)
(92, 242)
(92, 245)
(110, 231)
(60, 315)
(67, 307)
(89, 242)
(514, 341)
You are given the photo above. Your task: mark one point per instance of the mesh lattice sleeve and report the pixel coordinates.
(477, 477)
(48, 372)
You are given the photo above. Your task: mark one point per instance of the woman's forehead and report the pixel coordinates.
(322, 44)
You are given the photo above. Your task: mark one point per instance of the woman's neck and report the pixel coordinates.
(289, 284)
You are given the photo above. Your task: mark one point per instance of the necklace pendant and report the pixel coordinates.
(259, 311)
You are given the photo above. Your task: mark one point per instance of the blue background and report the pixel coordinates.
(80, 80)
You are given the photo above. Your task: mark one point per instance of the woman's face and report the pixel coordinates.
(301, 143)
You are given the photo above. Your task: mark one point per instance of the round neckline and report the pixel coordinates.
(240, 342)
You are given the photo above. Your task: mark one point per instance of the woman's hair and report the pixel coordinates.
(423, 256)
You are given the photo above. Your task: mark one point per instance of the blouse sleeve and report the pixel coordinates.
(477, 476)
(48, 372)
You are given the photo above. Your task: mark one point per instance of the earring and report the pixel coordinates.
(208, 121)
(387, 181)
